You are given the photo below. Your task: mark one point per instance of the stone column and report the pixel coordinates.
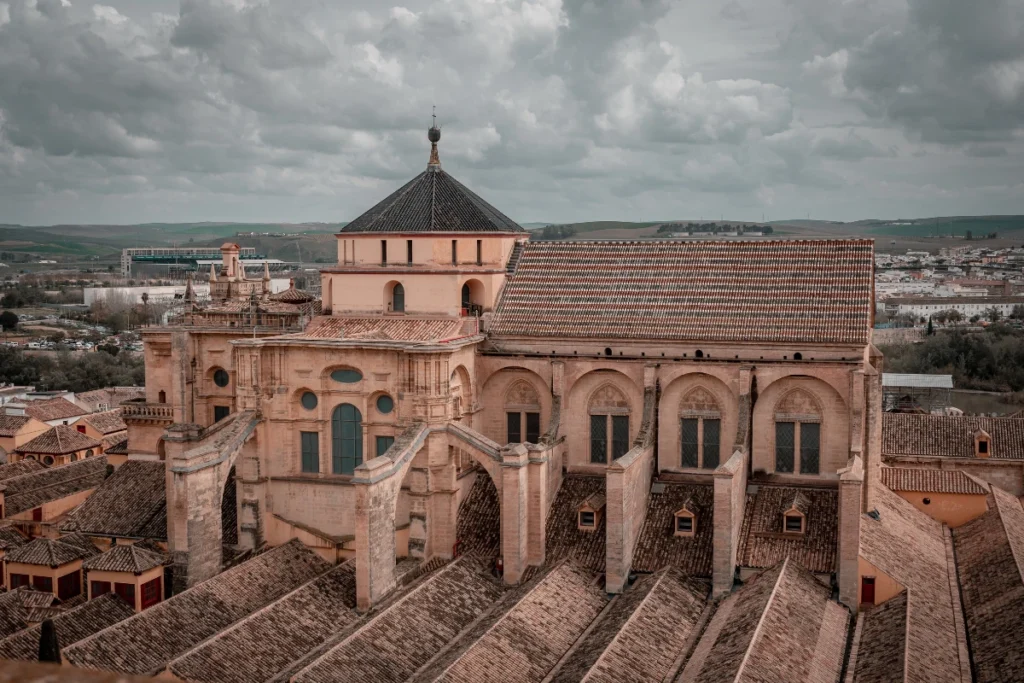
(851, 483)
(375, 531)
(537, 517)
(514, 511)
(873, 447)
(442, 504)
(729, 503)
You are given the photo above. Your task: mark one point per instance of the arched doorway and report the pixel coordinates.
(346, 439)
(398, 298)
(467, 297)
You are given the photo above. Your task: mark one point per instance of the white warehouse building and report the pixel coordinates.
(967, 306)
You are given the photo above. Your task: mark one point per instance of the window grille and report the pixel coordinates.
(691, 445)
(533, 427)
(785, 441)
(599, 438)
(810, 447)
(310, 442)
(712, 442)
(514, 428)
(620, 435)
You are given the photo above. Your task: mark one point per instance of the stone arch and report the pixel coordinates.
(394, 297)
(460, 386)
(522, 394)
(608, 399)
(492, 420)
(701, 396)
(802, 398)
(473, 293)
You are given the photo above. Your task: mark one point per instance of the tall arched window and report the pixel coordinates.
(398, 298)
(700, 425)
(609, 425)
(522, 413)
(467, 296)
(346, 439)
(798, 434)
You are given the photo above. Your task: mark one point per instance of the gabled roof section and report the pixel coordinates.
(107, 422)
(53, 483)
(926, 480)
(11, 424)
(72, 626)
(783, 291)
(125, 504)
(950, 436)
(48, 552)
(433, 201)
(125, 558)
(58, 408)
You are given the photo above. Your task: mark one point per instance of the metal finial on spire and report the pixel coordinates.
(434, 134)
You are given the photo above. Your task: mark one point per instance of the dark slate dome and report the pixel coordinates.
(433, 201)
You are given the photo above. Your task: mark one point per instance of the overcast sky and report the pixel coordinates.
(552, 110)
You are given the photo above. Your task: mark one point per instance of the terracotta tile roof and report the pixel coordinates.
(564, 538)
(780, 626)
(659, 547)
(881, 648)
(107, 422)
(10, 537)
(48, 552)
(406, 634)
(479, 521)
(642, 634)
(990, 561)
(764, 291)
(116, 446)
(387, 328)
(125, 504)
(10, 424)
(292, 295)
(13, 609)
(244, 306)
(433, 201)
(72, 626)
(950, 436)
(125, 558)
(59, 440)
(53, 483)
(527, 642)
(264, 643)
(111, 396)
(763, 543)
(910, 547)
(927, 480)
(147, 641)
(10, 470)
(48, 409)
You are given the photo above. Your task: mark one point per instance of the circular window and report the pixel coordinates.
(47, 459)
(309, 400)
(385, 404)
(927, 501)
(221, 378)
(346, 375)
(88, 453)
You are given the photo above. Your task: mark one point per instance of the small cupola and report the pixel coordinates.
(684, 519)
(794, 516)
(588, 515)
(982, 444)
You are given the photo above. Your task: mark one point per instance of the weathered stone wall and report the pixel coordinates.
(851, 483)
(730, 499)
(328, 505)
(628, 490)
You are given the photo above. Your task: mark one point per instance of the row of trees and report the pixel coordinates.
(83, 372)
(713, 228)
(992, 360)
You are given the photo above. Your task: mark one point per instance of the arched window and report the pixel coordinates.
(346, 439)
(700, 430)
(467, 297)
(522, 413)
(797, 434)
(398, 298)
(609, 425)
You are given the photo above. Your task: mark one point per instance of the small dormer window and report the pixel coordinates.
(794, 524)
(983, 447)
(982, 444)
(686, 519)
(794, 514)
(588, 515)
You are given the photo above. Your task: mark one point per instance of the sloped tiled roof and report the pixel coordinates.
(292, 295)
(405, 635)
(433, 201)
(780, 626)
(910, 547)
(125, 504)
(49, 552)
(565, 540)
(10, 470)
(642, 633)
(72, 626)
(53, 483)
(763, 543)
(529, 639)
(125, 558)
(264, 643)
(658, 547)
(53, 409)
(10, 537)
(387, 328)
(950, 436)
(927, 480)
(12, 609)
(990, 562)
(59, 440)
(10, 424)
(107, 422)
(881, 649)
(764, 291)
(111, 396)
(116, 446)
(147, 641)
(479, 520)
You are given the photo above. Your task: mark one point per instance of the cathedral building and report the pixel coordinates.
(661, 460)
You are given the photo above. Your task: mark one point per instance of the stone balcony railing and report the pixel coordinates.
(139, 411)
